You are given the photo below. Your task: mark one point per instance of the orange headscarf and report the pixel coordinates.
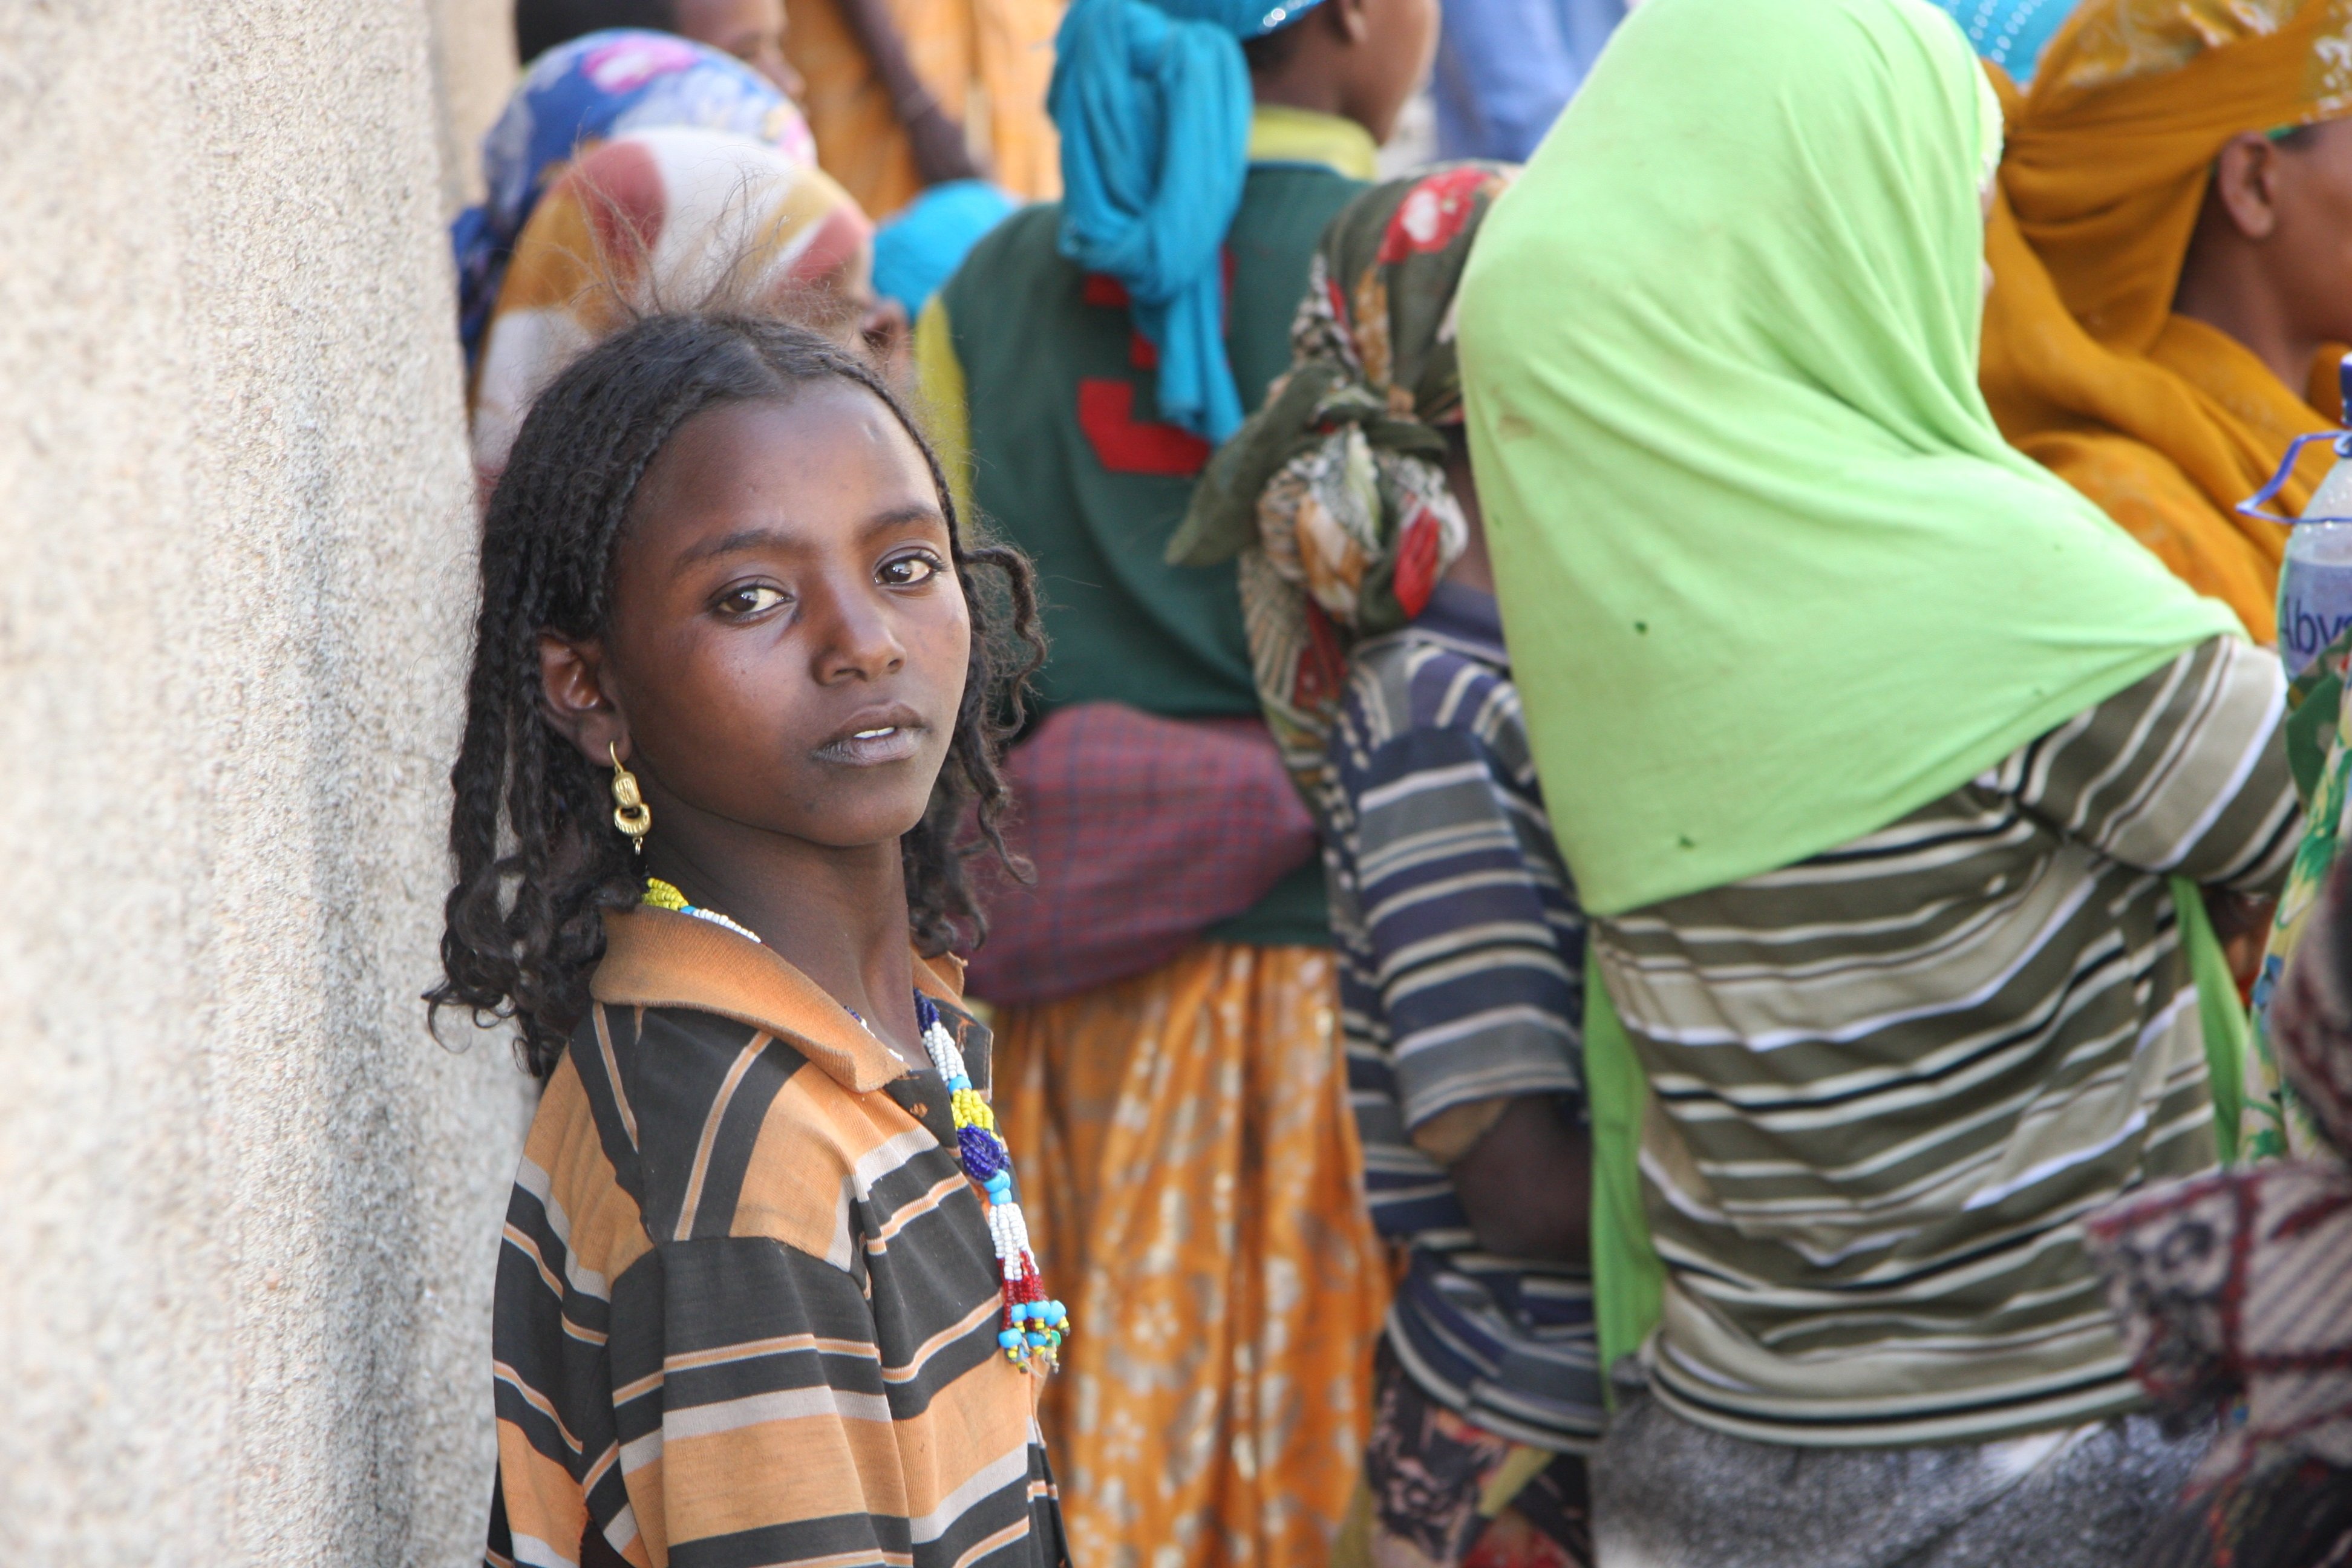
(2165, 422)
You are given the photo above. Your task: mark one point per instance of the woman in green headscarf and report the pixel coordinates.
(1889, 769)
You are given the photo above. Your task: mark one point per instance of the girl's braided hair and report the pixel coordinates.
(537, 860)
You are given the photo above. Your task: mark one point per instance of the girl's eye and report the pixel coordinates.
(909, 571)
(739, 603)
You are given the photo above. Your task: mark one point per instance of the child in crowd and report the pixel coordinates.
(1461, 945)
(765, 1293)
(1081, 364)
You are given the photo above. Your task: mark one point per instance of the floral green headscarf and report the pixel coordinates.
(1334, 494)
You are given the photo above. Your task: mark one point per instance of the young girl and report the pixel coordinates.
(765, 1293)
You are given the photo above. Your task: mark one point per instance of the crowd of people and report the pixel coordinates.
(1596, 854)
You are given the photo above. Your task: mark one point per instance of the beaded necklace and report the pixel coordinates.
(1033, 1325)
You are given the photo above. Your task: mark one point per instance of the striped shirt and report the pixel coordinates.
(1889, 1081)
(747, 1306)
(1461, 979)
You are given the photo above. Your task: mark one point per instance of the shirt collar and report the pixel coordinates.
(1466, 617)
(1280, 135)
(661, 958)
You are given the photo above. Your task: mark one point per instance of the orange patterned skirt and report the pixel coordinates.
(1190, 1171)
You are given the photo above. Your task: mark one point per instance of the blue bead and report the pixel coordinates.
(1054, 1312)
(1037, 1342)
(1010, 1339)
(958, 1081)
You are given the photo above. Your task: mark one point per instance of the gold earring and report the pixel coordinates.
(631, 815)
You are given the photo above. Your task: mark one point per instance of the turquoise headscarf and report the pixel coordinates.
(1771, 577)
(1152, 101)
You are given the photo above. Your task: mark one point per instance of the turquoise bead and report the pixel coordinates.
(1010, 1339)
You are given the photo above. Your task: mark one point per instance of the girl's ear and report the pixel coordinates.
(573, 698)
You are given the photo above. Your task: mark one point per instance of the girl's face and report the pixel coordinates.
(788, 642)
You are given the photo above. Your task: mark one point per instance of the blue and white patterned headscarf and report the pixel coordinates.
(2012, 33)
(589, 90)
(1152, 100)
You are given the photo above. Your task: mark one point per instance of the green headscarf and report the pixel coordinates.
(1771, 577)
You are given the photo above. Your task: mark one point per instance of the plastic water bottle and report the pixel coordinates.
(2315, 590)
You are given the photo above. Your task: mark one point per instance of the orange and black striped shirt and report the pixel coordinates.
(747, 1305)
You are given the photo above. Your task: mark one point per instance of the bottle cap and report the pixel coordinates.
(2344, 390)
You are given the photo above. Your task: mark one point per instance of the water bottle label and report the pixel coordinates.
(2315, 605)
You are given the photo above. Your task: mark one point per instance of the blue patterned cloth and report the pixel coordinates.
(1153, 103)
(2012, 33)
(919, 249)
(590, 89)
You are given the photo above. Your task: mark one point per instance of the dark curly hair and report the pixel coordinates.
(537, 860)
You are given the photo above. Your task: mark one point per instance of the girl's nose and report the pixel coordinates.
(858, 642)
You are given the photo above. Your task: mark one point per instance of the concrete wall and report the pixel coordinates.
(247, 1209)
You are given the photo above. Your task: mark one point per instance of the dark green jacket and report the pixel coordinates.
(1066, 456)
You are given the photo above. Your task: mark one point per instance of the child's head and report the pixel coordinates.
(1359, 59)
(721, 551)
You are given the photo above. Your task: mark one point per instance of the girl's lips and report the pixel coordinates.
(873, 747)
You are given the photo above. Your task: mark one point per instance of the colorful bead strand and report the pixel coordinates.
(1034, 1326)
(664, 895)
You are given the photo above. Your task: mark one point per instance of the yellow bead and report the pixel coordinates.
(971, 1111)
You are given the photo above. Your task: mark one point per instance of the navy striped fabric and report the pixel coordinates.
(1461, 966)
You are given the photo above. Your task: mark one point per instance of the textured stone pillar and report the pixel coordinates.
(247, 1209)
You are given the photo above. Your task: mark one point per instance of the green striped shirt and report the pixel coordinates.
(1889, 1081)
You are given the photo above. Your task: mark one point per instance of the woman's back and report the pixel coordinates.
(1890, 1078)
(1871, 746)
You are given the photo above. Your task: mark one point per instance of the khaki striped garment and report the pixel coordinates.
(1889, 1081)
(747, 1305)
